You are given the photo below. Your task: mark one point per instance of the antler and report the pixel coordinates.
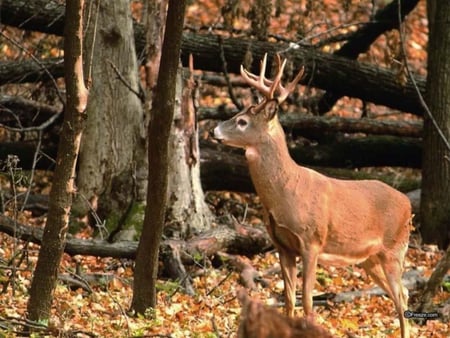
(268, 87)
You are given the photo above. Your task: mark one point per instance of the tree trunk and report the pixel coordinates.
(187, 213)
(146, 268)
(112, 169)
(435, 208)
(54, 238)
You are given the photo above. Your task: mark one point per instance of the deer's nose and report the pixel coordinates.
(216, 134)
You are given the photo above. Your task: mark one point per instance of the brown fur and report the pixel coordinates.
(315, 217)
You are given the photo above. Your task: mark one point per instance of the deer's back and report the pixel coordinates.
(334, 214)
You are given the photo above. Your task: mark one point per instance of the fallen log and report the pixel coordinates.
(325, 71)
(25, 113)
(249, 241)
(301, 124)
(341, 152)
(230, 166)
(385, 19)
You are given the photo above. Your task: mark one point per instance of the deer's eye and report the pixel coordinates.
(242, 123)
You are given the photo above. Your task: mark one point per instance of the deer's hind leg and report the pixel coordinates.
(386, 270)
(373, 268)
(393, 269)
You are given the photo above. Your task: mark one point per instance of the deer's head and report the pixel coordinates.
(250, 127)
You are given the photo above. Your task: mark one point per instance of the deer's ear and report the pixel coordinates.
(270, 109)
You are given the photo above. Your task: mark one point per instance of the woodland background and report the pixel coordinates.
(348, 119)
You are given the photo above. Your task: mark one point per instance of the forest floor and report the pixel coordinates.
(214, 310)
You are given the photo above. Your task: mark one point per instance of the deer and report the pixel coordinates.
(320, 219)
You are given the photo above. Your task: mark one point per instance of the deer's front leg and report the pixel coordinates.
(309, 258)
(289, 271)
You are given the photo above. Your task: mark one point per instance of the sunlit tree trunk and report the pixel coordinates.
(60, 201)
(435, 206)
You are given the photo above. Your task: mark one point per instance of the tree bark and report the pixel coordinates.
(35, 15)
(112, 170)
(146, 268)
(329, 72)
(350, 152)
(435, 208)
(187, 212)
(324, 71)
(314, 125)
(54, 238)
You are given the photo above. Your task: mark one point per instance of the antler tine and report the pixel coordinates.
(260, 82)
(285, 91)
(262, 73)
(269, 87)
(276, 85)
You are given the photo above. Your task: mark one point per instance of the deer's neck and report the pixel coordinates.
(271, 167)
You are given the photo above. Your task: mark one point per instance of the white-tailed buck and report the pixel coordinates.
(321, 219)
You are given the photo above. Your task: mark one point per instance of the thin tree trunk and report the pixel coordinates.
(54, 238)
(146, 269)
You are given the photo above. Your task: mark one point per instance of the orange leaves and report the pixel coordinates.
(104, 312)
